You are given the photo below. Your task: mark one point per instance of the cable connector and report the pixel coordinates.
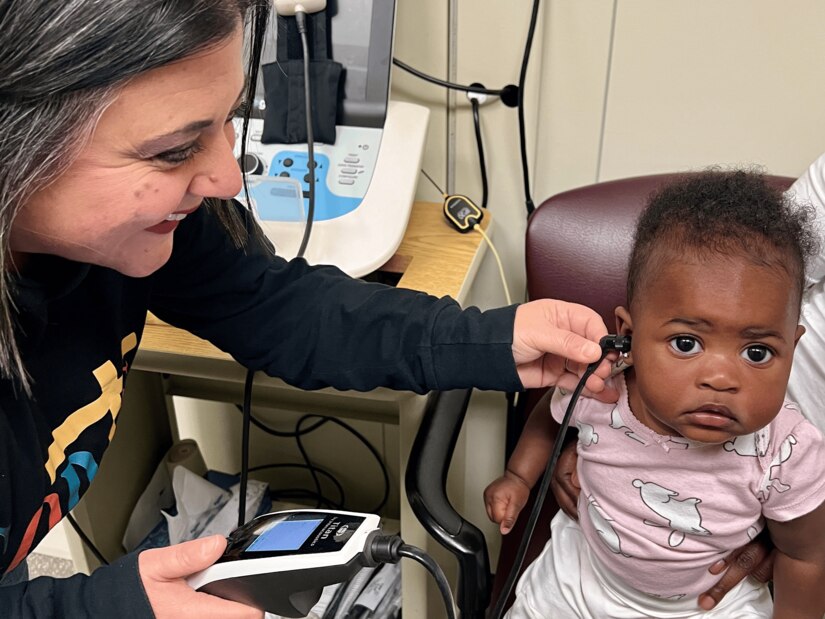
(385, 549)
(391, 549)
(620, 343)
(480, 97)
(608, 343)
(288, 8)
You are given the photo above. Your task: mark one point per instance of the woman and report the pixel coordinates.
(114, 200)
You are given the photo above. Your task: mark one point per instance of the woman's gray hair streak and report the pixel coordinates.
(61, 63)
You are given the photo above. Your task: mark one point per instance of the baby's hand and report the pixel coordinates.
(504, 499)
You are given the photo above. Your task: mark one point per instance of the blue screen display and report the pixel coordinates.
(284, 535)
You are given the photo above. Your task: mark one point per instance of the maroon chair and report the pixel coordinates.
(577, 248)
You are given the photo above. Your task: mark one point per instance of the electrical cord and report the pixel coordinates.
(279, 433)
(477, 227)
(391, 549)
(480, 230)
(608, 343)
(293, 493)
(451, 85)
(85, 539)
(247, 416)
(300, 431)
(513, 96)
(498, 611)
(481, 162)
(300, 19)
(522, 84)
(362, 439)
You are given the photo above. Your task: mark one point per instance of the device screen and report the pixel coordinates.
(288, 533)
(284, 535)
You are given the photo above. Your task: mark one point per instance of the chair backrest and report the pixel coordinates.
(577, 249)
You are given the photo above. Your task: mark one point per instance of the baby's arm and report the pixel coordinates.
(507, 495)
(799, 569)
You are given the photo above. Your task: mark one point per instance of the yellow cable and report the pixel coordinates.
(479, 229)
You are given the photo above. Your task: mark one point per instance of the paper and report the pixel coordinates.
(226, 520)
(197, 500)
(146, 514)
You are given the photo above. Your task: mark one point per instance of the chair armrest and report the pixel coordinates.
(426, 486)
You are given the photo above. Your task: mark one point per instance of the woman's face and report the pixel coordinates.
(159, 149)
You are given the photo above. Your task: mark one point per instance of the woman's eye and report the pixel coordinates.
(180, 155)
(685, 345)
(757, 354)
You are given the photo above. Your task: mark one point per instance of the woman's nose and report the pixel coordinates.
(220, 175)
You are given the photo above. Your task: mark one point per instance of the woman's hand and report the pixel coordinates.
(163, 572)
(504, 500)
(554, 341)
(565, 481)
(754, 559)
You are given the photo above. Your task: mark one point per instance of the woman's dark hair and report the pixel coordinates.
(732, 213)
(61, 63)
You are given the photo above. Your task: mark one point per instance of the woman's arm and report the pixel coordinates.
(799, 569)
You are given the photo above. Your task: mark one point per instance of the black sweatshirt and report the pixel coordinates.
(79, 328)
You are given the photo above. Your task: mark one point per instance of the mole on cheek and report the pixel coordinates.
(146, 187)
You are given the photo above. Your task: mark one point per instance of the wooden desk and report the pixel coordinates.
(432, 257)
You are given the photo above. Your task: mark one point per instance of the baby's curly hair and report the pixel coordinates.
(732, 213)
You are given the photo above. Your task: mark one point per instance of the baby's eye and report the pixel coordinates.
(686, 345)
(757, 354)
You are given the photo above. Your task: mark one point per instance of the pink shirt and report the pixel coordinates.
(659, 510)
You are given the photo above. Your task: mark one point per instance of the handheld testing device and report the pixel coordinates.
(281, 562)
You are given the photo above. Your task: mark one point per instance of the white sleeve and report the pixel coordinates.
(810, 189)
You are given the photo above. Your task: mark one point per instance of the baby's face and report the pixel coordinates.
(713, 343)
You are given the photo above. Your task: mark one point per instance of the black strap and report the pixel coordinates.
(289, 41)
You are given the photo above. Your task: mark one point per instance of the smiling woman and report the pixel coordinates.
(115, 193)
(58, 82)
(162, 146)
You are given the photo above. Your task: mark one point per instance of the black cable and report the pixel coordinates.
(418, 555)
(367, 444)
(300, 19)
(247, 415)
(498, 610)
(522, 82)
(308, 463)
(481, 162)
(279, 433)
(391, 549)
(445, 84)
(294, 465)
(303, 496)
(305, 456)
(85, 539)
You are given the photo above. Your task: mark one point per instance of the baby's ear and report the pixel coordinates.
(624, 326)
(624, 322)
(800, 331)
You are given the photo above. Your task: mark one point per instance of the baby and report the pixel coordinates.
(702, 451)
